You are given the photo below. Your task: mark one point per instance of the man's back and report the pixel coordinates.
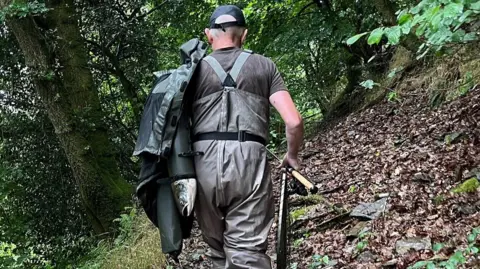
(227, 100)
(259, 74)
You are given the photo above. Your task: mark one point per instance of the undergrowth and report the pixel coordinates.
(136, 246)
(460, 257)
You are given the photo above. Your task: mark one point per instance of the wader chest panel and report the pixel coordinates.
(231, 113)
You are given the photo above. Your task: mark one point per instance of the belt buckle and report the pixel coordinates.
(242, 136)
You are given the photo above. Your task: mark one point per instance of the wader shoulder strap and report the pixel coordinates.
(237, 66)
(216, 67)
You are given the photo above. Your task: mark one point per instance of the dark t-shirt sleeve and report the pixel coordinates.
(277, 83)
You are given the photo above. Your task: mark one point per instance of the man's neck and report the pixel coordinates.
(223, 45)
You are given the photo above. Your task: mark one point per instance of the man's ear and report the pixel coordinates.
(244, 36)
(209, 36)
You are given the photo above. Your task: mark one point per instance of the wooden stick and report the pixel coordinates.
(309, 185)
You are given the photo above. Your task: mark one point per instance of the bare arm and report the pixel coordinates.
(283, 103)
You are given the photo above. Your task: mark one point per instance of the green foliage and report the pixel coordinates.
(437, 247)
(137, 246)
(40, 209)
(458, 258)
(392, 96)
(355, 38)
(466, 83)
(11, 257)
(21, 10)
(470, 185)
(295, 214)
(368, 84)
(375, 36)
(126, 222)
(437, 22)
(361, 245)
(298, 242)
(363, 241)
(394, 72)
(318, 261)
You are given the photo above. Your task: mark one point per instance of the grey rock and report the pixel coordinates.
(415, 243)
(467, 209)
(382, 195)
(359, 228)
(475, 172)
(367, 256)
(390, 264)
(349, 249)
(421, 177)
(370, 211)
(453, 138)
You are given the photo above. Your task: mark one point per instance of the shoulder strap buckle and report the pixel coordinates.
(230, 78)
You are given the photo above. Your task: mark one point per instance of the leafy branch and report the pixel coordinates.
(436, 22)
(21, 10)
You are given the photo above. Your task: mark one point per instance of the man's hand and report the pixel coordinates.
(289, 160)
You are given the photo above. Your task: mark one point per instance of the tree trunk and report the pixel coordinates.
(65, 86)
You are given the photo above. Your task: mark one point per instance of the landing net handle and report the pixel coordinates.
(282, 228)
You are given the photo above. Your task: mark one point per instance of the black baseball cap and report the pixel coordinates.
(231, 10)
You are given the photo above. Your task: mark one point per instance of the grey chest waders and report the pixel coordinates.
(167, 179)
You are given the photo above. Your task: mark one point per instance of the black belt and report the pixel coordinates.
(239, 136)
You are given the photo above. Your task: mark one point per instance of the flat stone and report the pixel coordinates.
(359, 228)
(422, 177)
(390, 264)
(382, 195)
(475, 172)
(453, 138)
(467, 209)
(366, 257)
(349, 249)
(415, 243)
(370, 211)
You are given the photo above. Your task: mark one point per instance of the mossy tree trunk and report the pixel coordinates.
(53, 48)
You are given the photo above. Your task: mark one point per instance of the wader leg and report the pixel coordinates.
(248, 224)
(210, 218)
(212, 225)
(235, 205)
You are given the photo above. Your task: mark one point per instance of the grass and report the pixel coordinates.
(138, 249)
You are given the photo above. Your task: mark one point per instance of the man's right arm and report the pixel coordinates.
(283, 103)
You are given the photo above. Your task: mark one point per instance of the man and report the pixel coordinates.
(233, 91)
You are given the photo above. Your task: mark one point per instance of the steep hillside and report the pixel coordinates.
(412, 156)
